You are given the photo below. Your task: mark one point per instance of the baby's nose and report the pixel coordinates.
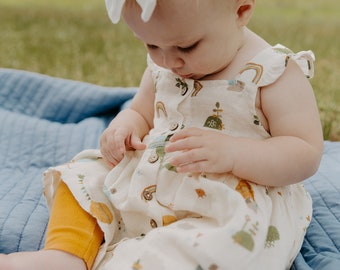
(172, 60)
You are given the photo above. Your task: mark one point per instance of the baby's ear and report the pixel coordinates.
(245, 11)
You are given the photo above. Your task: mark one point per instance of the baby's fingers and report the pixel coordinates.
(189, 160)
(196, 167)
(112, 149)
(185, 133)
(184, 144)
(136, 143)
(112, 156)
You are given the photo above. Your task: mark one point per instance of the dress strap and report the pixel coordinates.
(267, 66)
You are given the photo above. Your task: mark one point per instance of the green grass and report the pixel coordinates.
(75, 40)
(60, 39)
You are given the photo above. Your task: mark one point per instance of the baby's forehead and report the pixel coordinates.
(174, 25)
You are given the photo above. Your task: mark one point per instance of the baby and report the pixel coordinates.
(203, 170)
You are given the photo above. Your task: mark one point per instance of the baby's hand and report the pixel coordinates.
(201, 151)
(115, 141)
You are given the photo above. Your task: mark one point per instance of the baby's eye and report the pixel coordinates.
(151, 47)
(188, 49)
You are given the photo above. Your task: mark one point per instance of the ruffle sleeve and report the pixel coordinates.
(266, 67)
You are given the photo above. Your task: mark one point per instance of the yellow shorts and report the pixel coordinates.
(72, 229)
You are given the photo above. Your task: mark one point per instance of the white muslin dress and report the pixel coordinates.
(154, 218)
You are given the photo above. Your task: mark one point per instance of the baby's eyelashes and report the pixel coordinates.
(151, 47)
(186, 49)
(189, 48)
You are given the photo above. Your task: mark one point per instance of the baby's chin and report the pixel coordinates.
(198, 76)
(192, 76)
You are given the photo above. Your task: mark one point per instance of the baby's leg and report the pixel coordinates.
(72, 241)
(41, 260)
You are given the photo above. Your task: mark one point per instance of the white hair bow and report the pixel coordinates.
(114, 9)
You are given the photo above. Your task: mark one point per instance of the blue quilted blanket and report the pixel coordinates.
(45, 121)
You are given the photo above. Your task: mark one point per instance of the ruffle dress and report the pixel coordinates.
(155, 218)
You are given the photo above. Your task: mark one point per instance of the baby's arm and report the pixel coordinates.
(292, 153)
(128, 128)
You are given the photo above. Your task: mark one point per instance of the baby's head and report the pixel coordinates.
(193, 38)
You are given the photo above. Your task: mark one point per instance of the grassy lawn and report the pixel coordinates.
(75, 40)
